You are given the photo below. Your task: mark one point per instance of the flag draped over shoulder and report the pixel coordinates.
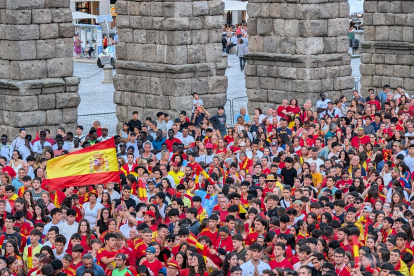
(92, 165)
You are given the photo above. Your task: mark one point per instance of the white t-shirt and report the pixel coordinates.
(125, 229)
(409, 161)
(68, 230)
(322, 104)
(187, 140)
(92, 215)
(50, 224)
(318, 162)
(198, 102)
(114, 195)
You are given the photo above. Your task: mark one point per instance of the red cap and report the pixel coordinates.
(150, 213)
(175, 164)
(209, 146)
(173, 263)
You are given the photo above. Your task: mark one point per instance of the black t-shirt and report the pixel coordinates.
(289, 176)
(255, 180)
(129, 203)
(7, 237)
(132, 124)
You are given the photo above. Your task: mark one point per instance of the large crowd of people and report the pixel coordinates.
(319, 189)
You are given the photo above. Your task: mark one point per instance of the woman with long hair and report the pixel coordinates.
(16, 162)
(15, 265)
(229, 137)
(102, 223)
(373, 195)
(240, 124)
(167, 188)
(84, 229)
(6, 179)
(47, 201)
(106, 200)
(404, 171)
(28, 197)
(158, 217)
(221, 148)
(359, 185)
(181, 259)
(39, 214)
(396, 199)
(197, 266)
(229, 262)
(112, 228)
(124, 133)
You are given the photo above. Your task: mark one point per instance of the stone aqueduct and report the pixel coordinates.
(170, 49)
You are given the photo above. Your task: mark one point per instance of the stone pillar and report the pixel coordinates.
(37, 87)
(297, 49)
(387, 51)
(167, 51)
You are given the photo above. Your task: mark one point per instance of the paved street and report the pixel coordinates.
(97, 98)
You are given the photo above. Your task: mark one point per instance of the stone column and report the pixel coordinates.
(37, 87)
(297, 49)
(387, 51)
(167, 51)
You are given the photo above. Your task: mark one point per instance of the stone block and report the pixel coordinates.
(45, 49)
(216, 7)
(264, 26)
(60, 67)
(17, 50)
(159, 102)
(21, 103)
(252, 82)
(396, 33)
(330, 44)
(342, 44)
(402, 71)
(66, 100)
(306, 86)
(310, 73)
(4, 69)
(48, 31)
(54, 117)
(57, 4)
(342, 83)
(217, 84)
(395, 7)
(24, 5)
(70, 115)
(199, 85)
(391, 59)
(382, 33)
(369, 33)
(66, 30)
(338, 27)
(41, 16)
(408, 34)
(64, 47)
(287, 45)
(378, 19)
(291, 28)
(259, 95)
(313, 28)
(254, 10)
(46, 101)
(201, 8)
(24, 119)
(407, 7)
(287, 10)
(307, 12)
(180, 103)
(371, 6)
(22, 32)
(309, 46)
(18, 17)
(328, 10)
(61, 15)
(181, 24)
(28, 70)
(287, 72)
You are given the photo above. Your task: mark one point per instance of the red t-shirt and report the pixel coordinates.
(186, 271)
(283, 264)
(279, 111)
(344, 271)
(10, 171)
(213, 236)
(105, 253)
(155, 266)
(170, 143)
(356, 141)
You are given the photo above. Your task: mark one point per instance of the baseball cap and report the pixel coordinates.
(132, 133)
(162, 271)
(173, 263)
(29, 137)
(242, 144)
(175, 164)
(123, 145)
(209, 146)
(151, 214)
(177, 120)
(42, 132)
(274, 144)
(150, 249)
(105, 127)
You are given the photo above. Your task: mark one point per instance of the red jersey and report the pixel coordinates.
(170, 143)
(356, 141)
(25, 228)
(212, 235)
(75, 266)
(226, 244)
(155, 266)
(283, 264)
(69, 271)
(139, 250)
(186, 271)
(344, 271)
(105, 253)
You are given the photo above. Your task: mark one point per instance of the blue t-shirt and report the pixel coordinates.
(157, 144)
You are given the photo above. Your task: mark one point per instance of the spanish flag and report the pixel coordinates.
(29, 257)
(142, 191)
(92, 165)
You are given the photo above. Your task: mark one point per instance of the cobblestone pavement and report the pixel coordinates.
(97, 97)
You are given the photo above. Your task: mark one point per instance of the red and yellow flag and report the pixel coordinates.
(29, 257)
(92, 165)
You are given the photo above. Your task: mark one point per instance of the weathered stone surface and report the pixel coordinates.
(36, 51)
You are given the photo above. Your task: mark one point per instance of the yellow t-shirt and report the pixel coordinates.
(316, 178)
(177, 176)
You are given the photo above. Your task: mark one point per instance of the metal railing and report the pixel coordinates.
(232, 107)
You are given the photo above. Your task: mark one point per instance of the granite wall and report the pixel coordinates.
(37, 87)
(167, 51)
(297, 49)
(389, 42)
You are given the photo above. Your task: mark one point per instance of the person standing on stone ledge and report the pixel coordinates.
(241, 50)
